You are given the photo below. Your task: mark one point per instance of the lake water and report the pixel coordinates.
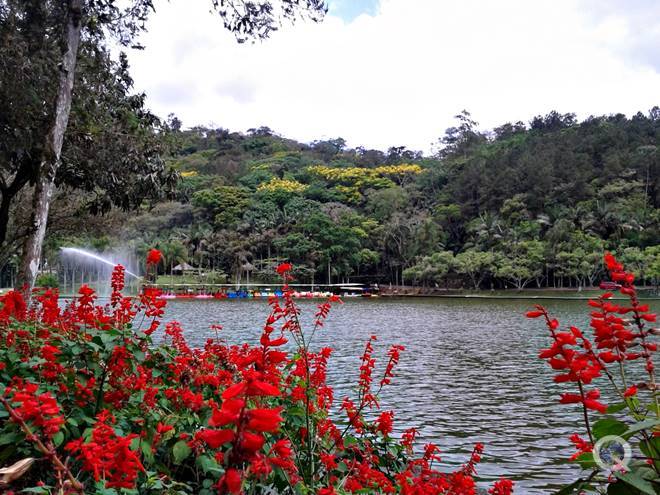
(470, 373)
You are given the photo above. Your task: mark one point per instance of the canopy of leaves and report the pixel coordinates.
(522, 206)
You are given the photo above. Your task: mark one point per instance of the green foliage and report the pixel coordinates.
(524, 207)
(48, 280)
(223, 205)
(476, 265)
(431, 269)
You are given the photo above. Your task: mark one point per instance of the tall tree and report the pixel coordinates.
(52, 149)
(55, 30)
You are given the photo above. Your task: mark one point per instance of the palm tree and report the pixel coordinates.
(174, 252)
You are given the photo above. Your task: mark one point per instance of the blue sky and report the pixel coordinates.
(398, 75)
(350, 9)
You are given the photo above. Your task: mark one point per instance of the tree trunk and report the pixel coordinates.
(9, 193)
(4, 215)
(50, 161)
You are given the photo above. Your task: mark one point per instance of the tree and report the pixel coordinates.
(111, 154)
(636, 261)
(173, 253)
(431, 269)
(458, 139)
(522, 263)
(476, 265)
(223, 205)
(53, 33)
(653, 270)
(339, 243)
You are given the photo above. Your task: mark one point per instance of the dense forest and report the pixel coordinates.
(523, 205)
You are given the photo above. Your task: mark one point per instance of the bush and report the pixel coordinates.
(85, 390)
(47, 280)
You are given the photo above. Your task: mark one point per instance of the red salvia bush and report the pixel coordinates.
(85, 389)
(617, 352)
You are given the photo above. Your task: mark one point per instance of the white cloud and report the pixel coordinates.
(399, 76)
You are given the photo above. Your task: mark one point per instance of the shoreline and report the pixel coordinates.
(505, 297)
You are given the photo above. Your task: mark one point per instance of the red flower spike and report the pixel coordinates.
(235, 390)
(284, 268)
(502, 487)
(630, 391)
(215, 438)
(264, 420)
(231, 482)
(582, 446)
(154, 256)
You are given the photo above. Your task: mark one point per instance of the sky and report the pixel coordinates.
(383, 73)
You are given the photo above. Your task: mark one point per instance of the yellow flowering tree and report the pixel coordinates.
(276, 185)
(352, 181)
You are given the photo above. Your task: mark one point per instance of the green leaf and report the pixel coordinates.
(575, 487)
(608, 426)
(586, 460)
(107, 338)
(58, 438)
(146, 451)
(621, 489)
(209, 464)
(615, 408)
(635, 480)
(651, 448)
(653, 408)
(36, 489)
(77, 349)
(350, 440)
(9, 438)
(642, 425)
(180, 451)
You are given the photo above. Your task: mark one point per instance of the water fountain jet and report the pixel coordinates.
(96, 257)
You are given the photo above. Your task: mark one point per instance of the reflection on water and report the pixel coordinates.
(469, 374)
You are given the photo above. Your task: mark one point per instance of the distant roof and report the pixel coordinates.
(183, 267)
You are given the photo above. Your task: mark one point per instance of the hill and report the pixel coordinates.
(524, 204)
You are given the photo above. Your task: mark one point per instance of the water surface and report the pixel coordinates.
(469, 373)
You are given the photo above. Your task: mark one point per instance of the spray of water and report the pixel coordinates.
(81, 252)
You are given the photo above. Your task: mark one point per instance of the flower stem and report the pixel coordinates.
(586, 414)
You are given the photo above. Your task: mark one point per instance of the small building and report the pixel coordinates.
(184, 269)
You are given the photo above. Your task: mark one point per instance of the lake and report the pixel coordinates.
(470, 373)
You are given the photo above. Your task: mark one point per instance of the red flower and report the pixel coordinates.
(215, 438)
(384, 422)
(252, 442)
(328, 461)
(107, 455)
(231, 481)
(264, 420)
(13, 305)
(41, 410)
(283, 268)
(502, 487)
(630, 392)
(582, 446)
(154, 256)
(282, 448)
(229, 412)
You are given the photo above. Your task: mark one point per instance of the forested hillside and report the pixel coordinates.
(523, 205)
